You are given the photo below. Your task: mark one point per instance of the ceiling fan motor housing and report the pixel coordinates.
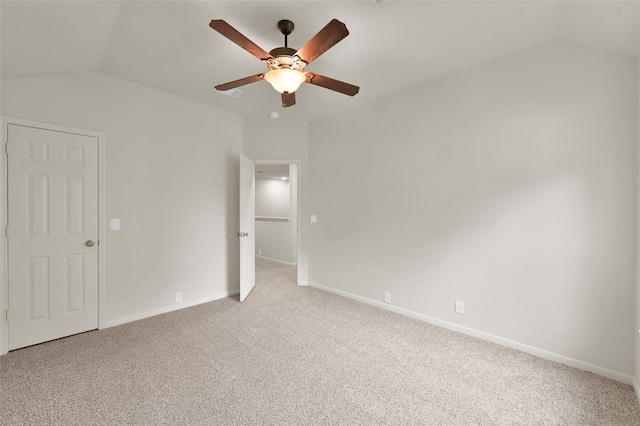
(284, 57)
(285, 26)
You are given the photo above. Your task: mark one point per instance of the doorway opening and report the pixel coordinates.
(277, 213)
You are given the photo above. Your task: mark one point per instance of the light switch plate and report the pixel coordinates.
(115, 224)
(314, 218)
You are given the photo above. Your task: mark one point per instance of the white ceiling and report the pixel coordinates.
(272, 171)
(393, 46)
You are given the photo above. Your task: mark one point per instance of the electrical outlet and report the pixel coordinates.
(259, 252)
(387, 297)
(459, 307)
(178, 297)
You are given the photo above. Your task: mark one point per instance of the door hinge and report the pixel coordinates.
(6, 147)
(6, 232)
(6, 315)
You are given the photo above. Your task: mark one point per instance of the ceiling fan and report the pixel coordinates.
(286, 65)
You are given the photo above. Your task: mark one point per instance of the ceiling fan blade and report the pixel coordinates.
(288, 99)
(235, 36)
(326, 38)
(331, 84)
(238, 83)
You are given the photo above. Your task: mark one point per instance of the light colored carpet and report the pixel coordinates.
(296, 356)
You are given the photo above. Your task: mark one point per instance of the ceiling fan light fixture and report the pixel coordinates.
(286, 65)
(285, 80)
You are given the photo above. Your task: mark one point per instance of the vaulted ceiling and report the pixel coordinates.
(393, 45)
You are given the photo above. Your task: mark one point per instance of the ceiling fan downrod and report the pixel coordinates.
(286, 27)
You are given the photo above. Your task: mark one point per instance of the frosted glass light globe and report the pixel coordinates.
(285, 80)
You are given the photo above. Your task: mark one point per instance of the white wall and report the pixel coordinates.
(510, 186)
(637, 298)
(170, 163)
(274, 237)
(277, 140)
(272, 197)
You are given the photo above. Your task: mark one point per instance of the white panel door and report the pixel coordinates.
(247, 226)
(52, 234)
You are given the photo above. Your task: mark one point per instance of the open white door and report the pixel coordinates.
(247, 226)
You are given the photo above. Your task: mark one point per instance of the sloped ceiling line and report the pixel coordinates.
(168, 45)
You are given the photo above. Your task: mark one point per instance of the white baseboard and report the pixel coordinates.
(276, 260)
(166, 309)
(636, 387)
(601, 371)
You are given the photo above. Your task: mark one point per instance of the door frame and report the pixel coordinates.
(301, 272)
(102, 243)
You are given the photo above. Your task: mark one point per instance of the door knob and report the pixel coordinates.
(89, 243)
